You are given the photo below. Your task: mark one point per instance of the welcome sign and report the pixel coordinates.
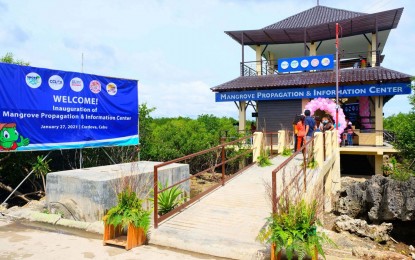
(389, 89)
(43, 109)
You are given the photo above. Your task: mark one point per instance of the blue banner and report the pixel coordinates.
(307, 63)
(43, 109)
(388, 89)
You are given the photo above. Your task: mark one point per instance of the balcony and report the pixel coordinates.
(348, 60)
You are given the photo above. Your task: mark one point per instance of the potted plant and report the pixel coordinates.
(294, 228)
(127, 223)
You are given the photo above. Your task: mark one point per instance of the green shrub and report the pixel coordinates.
(294, 228)
(401, 174)
(168, 199)
(287, 152)
(263, 159)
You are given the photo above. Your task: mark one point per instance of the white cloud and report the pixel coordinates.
(176, 49)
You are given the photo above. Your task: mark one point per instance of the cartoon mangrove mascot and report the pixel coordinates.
(9, 137)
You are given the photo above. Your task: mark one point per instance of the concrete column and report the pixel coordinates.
(329, 144)
(336, 173)
(281, 141)
(313, 49)
(379, 120)
(256, 146)
(319, 149)
(335, 139)
(373, 49)
(378, 164)
(242, 115)
(258, 59)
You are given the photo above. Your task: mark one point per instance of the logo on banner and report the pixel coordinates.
(95, 86)
(55, 82)
(76, 84)
(315, 62)
(33, 80)
(112, 89)
(325, 62)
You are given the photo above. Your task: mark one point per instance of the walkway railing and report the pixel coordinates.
(225, 153)
(308, 160)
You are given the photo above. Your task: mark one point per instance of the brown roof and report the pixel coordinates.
(357, 75)
(314, 16)
(318, 24)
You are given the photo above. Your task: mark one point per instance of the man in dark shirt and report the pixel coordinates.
(310, 125)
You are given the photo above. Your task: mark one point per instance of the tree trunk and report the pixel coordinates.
(16, 193)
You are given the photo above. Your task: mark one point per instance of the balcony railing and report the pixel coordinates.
(348, 60)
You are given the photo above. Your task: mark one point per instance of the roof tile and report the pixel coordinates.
(313, 78)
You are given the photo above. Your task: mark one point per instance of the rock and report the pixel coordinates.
(36, 205)
(374, 254)
(379, 199)
(378, 233)
(411, 247)
(413, 256)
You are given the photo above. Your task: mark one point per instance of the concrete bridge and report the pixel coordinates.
(226, 222)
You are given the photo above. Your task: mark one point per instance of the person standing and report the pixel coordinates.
(310, 125)
(300, 127)
(296, 119)
(349, 130)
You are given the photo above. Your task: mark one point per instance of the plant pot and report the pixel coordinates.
(114, 236)
(278, 255)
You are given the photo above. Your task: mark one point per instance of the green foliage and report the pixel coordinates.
(41, 166)
(129, 210)
(402, 126)
(263, 159)
(312, 164)
(294, 228)
(168, 199)
(399, 174)
(9, 58)
(287, 151)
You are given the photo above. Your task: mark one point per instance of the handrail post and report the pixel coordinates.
(155, 188)
(324, 145)
(274, 192)
(223, 161)
(305, 165)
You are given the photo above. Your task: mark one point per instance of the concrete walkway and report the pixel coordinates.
(226, 222)
(18, 241)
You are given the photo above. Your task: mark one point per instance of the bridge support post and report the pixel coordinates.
(281, 141)
(223, 140)
(256, 145)
(319, 149)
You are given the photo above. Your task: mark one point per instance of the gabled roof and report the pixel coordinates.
(314, 16)
(318, 24)
(347, 76)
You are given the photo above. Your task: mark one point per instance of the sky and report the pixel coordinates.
(176, 49)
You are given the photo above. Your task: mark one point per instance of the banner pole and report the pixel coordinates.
(30, 173)
(80, 158)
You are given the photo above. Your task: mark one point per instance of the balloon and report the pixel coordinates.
(329, 107)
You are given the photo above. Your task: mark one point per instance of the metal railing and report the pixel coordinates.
(308, 156)
(271, 138)
(225, 176)
(347, 60)
(249, 68)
